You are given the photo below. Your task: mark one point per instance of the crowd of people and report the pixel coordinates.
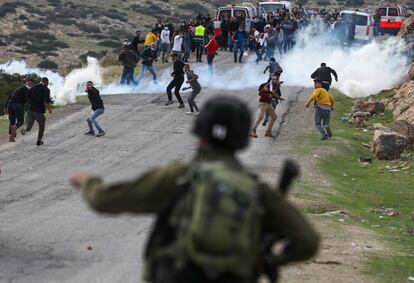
(211, 213)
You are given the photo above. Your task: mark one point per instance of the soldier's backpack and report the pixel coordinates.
(219, 220)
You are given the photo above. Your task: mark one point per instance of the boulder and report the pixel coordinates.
(360, 114)
(411, 72)
(388, 144)
(369, 106)
(406, 129)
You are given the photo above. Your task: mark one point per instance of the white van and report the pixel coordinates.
(272, 6)
(364, 24)
(246, 10)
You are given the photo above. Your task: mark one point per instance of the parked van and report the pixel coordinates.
(392, 18)
(272, 6)
(364, 24)
(246, 11)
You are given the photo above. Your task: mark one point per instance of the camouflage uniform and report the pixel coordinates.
(153, 191)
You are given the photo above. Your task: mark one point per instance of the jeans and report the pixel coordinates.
(165, 47)
(92, 119)
(238, 47)
(270, 52)
(191, 101)
(259, 54)
(322, 118)
(127, 75)
(145, 68)
(176, 83)
(210, 58)
(16, 114)
(40, 118)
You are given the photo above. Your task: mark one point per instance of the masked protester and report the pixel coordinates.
(211, 212)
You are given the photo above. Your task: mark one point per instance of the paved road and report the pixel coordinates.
(46, 228)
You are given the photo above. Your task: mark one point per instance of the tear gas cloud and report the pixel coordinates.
(64, 90)
(362, 70)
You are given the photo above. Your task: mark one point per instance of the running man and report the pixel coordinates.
(212, 47)
(38, 99)
(97, 110)
(277, 95)
(192, 80)
(15, 108)
(177, 82)
(324, 74)
(324, 102)
(265, 106)
(274, 69)
(148, 55)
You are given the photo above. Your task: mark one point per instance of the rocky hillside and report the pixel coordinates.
(402, 103)
(59, 34)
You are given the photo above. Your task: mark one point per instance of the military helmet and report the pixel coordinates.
(224, 121)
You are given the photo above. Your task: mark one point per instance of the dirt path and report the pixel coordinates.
(46, 228)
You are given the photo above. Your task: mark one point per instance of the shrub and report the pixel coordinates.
(109, 43)
(97, 55)
(355, 3)
(48, 65)
(36, 25)
(8, 83)
(10, 7)
(194, 7)
(88, 28)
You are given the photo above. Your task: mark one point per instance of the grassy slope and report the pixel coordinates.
(364, 192)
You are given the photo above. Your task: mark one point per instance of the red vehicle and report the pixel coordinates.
(392, 18)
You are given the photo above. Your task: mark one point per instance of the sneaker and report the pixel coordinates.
(100, 134)
(11, 139)
(324, 138)
(329, 132)
(197, 113)
(39, 143)
(181, 105)
(23, 131)
(169, 102)
(189, 113)
(89, 133)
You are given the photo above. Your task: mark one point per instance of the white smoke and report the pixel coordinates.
(362, 70)
(63, 90)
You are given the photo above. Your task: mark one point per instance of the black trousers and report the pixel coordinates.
(40, 118)
(199, 51)
(176, 83)
(326, 85)
(16, 114)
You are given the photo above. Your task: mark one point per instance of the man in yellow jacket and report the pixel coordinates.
(324, 106)
(152, 37)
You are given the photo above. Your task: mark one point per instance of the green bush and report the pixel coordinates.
(8, 83)
(97, 55)
(194, 7)
(48, 65)
(109, 43)
(10, 7)
(32, 25)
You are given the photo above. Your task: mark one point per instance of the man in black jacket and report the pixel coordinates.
(177, 82)
(129, 60)
(324, 74)
(149, 54)
(136, 41)
(38, 99)
(15, 108)
(97, 109)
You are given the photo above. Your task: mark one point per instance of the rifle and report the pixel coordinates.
(289, 173)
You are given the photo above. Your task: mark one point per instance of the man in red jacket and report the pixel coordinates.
(265, 106)
(212, 47)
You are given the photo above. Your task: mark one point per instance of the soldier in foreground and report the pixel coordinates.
(211, 212)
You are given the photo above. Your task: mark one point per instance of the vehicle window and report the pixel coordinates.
(359, 20)
(382, 11)
(239, 13)
(270, 8)
(224, 13)
(392, 12)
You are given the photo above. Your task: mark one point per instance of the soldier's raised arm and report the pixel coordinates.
(147, 193)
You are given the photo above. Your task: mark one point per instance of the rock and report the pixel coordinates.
(369, 106)
(388, 145)
(379, 126)
(406, 129)
(411, 72)
(361, 114)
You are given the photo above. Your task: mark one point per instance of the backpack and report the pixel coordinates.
(219, 221)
